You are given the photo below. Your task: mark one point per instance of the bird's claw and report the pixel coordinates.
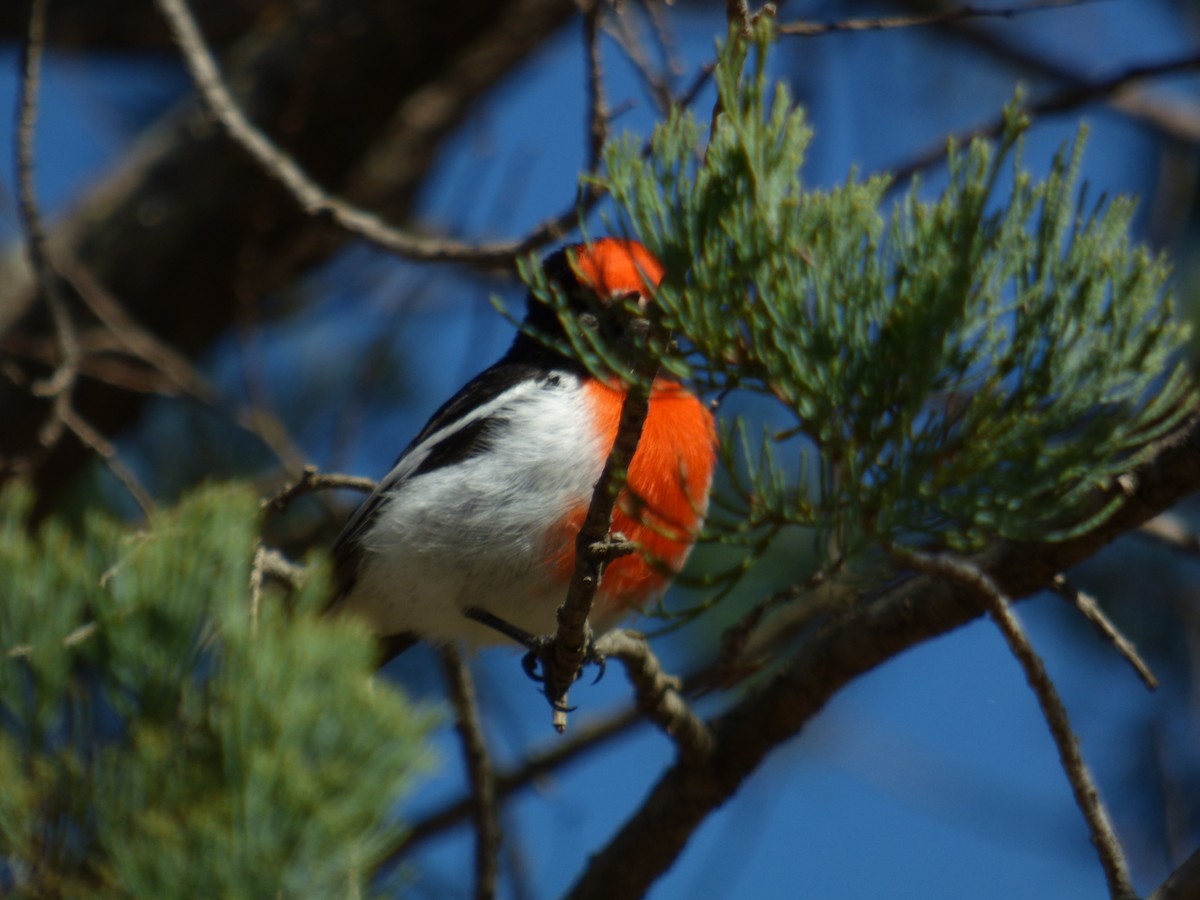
(531, 662)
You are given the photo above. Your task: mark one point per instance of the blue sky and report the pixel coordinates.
(934, 776)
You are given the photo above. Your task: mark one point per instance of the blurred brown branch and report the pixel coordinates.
(189, 227)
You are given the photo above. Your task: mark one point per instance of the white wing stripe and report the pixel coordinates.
(414, 457)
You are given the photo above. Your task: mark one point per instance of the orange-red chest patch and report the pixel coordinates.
(664, 501)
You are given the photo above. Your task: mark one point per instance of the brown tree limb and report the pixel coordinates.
(1183, 883)
(942, 17)
(1064, 100)
(1090, 610)
(1054, 711)
(310, 482)
(314, 200)
(841, 651)
(1172, 531)
(562, 656)
(658, 694)
(191, 218)
(60, 385)
(597, 103)
(132, 25)
(480, 775)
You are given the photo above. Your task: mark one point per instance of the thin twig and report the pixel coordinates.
(137, 341)
(61, 383)
(624, 33)
(1091, 611)
(597, 104)
(479, 771)
(1183, 883)
(589, 738)
(76, 637)
(731, 666)
(312, 197)
(562, 657)
(1172, 531)
(98, 444)
(658, 694)
(257, 568)
(1104, 839)
(270, 563)
(309, 482)
(945, 17)
(1061, 101)
(1173, 115)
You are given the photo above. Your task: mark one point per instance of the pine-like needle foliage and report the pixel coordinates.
(973, 367)
(157, 739)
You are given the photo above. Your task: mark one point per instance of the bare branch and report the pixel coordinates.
(658, 694)
(97, 443)
(479, 771)
(1183, 883)
(562, 656)
(589, 738)
(944, 17)
(597, 105)
(310, 482)
(624, 32)
(61, 383)
(1093, 613)
(1172, 115)
(1172, 531)
(257, 573)
(1064, 100)
(311, 196)
(843, 649)
(138, 341)
(1087, 797)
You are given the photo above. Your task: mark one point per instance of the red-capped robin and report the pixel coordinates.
(481, 510)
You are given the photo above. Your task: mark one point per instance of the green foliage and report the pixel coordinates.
(971, 367)
(157, 739)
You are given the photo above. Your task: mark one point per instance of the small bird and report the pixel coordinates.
(481, 510)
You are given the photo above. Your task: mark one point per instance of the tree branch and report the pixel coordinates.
(1172, 531)
(1087, 796)
(944, 17)
(841, 651)
(658, 694)
(1090, 610)
(1068, 98)
(479, 771)
(1183, 883)
(313, 199)
(563, 655)
(59, 386)
(309, 482)
(190, 216)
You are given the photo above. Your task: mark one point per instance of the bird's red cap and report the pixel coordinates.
(614, 267)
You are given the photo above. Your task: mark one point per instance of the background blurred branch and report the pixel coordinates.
(478, 764)
(189, 217)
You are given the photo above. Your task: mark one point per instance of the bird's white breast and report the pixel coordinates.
(478, 532)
